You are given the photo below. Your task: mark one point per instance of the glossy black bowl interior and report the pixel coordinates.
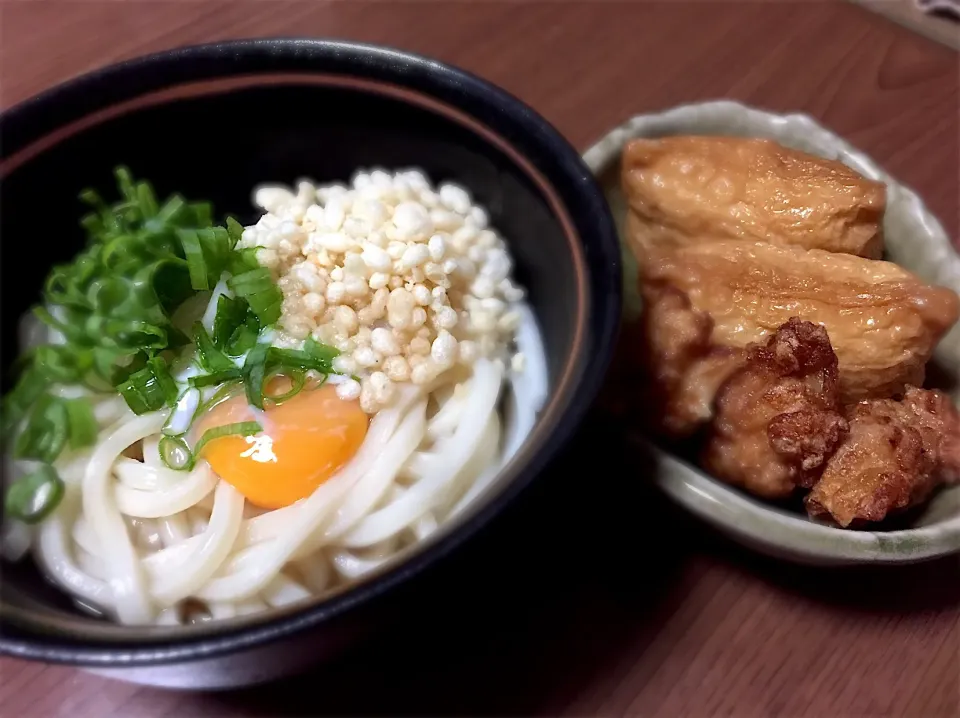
(231, 116)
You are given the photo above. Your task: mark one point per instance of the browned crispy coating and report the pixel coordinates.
(778, 417)
(684, 190)
(682, 370)
(896, 453)
(883, 321)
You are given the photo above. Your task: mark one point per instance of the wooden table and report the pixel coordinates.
(594, 597)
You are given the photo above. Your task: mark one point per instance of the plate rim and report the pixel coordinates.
(723, 506)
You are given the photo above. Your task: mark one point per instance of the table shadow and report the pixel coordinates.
(894, 590)
(584, 567)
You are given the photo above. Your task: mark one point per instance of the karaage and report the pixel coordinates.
(778, 418)
(682, 370)
(895, 454)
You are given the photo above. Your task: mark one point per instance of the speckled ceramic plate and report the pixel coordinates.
(914, 239)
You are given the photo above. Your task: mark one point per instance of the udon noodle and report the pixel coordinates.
(143, 543)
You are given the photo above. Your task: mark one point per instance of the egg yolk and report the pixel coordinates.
(304, 441)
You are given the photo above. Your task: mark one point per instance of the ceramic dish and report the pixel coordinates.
(217, 120)
(914, 240)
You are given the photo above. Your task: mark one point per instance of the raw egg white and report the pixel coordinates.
(304, 441)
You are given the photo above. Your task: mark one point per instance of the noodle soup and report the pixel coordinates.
(214, 419)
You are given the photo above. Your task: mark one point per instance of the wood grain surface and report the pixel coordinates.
(593, 597)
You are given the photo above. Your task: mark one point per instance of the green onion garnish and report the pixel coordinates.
(150, 388)
(33, 497)
(231, 315)
(172, 210)
(28, 389)
(243, 261)
(166, 383)
(81, 423)
(264, 297)
(244, 337)
(234, 229)
(175, 454)
(197, 265)
(216, 378)
(297, 380)
(211, 358)
(46, 431)
(251, 282)
(263, 360)
(314, 356)
(254, 373)
(114, 304)
(243, 428)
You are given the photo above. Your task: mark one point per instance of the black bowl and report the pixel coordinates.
(213, 121)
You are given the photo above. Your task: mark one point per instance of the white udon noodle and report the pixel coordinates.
(141, 542)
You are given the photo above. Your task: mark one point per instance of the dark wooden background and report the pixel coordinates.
(593, 597)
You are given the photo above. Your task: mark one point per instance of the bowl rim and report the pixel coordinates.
(746, 519)
(536, 140)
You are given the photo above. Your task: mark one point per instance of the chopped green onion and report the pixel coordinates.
(264, 360)
(44, 315)
(216, 378)
(28, 389)
(323, 353)
(231, 315)
(124, 366)
(171, 210)
(303, 359)
(234, 229)
(46, 431)
(81, 423)
(61, 364)
(34, 497)
(125, 183)
(243, 260)
(147, 200)
(202, 213)
(217, 245)
(211, 358)
(251, 282)
(147, 389)
(114, 306)
(264, 297)
(267, 306)
(244, 337)
(254, 373)
(166, 383)
(190, 241)
(175, 454)
(135, 400)
(243, 428)
(297, 380)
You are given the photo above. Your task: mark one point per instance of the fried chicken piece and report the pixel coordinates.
(681, 370)
(778, 417)
(896, 453)
(883, 321)
(684, 190)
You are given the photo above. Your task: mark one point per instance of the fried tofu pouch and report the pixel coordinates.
(687, 190)
(883, 322)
